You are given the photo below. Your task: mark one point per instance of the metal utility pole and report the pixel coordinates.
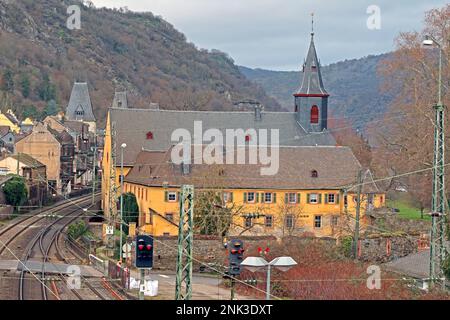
(183, 289)
(122, 148)
(438, 249)
(358, 215)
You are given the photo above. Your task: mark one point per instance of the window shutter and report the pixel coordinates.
(231, 196)
(320, 198)
(263, 198)
(166, 196)
(257, 197)
(245, 197)
(178, 197)
(337, 198)
(286, 200)
(298, 197)
(274, 197)
(308, 198)
(326, 198)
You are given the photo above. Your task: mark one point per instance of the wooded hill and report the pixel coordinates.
(40, 58)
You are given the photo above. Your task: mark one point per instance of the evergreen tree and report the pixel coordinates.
(15, 191)
(8, 81)
(130, 210)
(51, 109)
(25, 84)
(47, 90)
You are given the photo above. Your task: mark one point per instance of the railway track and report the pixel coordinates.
(42, 243)
(44, 246)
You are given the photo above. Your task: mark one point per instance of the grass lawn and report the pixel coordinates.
(407, 211)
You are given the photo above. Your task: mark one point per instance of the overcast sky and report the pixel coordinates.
(274, 34)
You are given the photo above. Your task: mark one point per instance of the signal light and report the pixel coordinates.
(144, 252)
(235, 257)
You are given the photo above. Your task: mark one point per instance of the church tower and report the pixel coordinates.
(311, 99)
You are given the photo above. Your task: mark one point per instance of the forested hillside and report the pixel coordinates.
(40, 58)
(354, 85)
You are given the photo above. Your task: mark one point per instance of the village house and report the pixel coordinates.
(84, 141)
(33, 171)
(7, 138)
(10, 120)
(54, 150)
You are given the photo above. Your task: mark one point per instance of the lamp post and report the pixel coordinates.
(122, 148)
(437, 243)
(254, 264)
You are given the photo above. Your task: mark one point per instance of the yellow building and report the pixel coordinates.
(10, 120)
(313, 192)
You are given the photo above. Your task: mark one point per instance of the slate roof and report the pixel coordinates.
(132, 126)
(120, 100)
(312, 76)
(4, 130)
(337, 168)
(80, 101)
(27, 160)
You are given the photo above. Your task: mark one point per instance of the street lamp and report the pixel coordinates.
(254, 264)
(122, 148)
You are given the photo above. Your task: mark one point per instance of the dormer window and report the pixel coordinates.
(79, 111)
(149, 135)
(314, 174)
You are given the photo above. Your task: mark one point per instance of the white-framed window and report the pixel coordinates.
(313, 198)
(172, 196)
(251, 197)
(268, 197)
(292, 197)
(318, 222)
(331, 198)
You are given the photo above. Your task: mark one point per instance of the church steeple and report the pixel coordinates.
(311, 99)
(312, 83)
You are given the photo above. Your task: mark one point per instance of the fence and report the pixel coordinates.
(117, 272)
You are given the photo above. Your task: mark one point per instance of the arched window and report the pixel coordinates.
(314, 174)
(149, 135)
(315, 114)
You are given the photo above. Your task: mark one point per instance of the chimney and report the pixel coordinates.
(185, 169)
(258, 112)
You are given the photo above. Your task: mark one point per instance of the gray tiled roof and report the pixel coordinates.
(132, 126)
(27, 160)
(80, 101)
(120, 100)
(337, 168)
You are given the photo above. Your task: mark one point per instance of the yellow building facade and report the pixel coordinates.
(322, 213)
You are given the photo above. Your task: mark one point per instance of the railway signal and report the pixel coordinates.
(235, 256)
(144, 252)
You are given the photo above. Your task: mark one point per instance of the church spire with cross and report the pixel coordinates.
(311, 99)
